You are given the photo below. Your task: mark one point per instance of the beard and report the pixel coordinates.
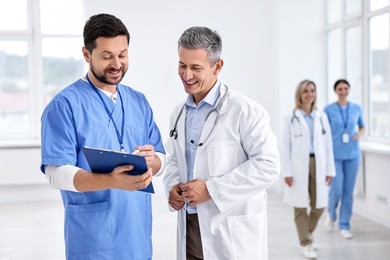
(102, 76)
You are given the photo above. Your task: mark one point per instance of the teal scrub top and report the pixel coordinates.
(347, 119)
(108, 224)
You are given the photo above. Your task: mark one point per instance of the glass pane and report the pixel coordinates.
(334, 11)
(62, 17)
(63, 63)
(353, 49)
(379, 76)
(14, 89)
(13, 15)
(378, 4)
(334, 61)
(353, 6)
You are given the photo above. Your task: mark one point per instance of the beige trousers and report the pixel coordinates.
(306, 219)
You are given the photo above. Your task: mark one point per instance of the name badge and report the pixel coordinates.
(345, 138)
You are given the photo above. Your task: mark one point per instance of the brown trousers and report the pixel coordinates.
(193, 239)
(306, 219)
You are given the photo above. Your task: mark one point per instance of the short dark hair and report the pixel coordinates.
(103, 25)
(340, 81)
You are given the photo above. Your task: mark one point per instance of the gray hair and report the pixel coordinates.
(203, 38)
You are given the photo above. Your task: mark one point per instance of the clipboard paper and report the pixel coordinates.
(104, 161)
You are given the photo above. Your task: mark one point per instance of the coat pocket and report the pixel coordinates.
(222, 157)
(248, 234)
(88, 228)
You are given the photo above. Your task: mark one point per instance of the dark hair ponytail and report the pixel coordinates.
(340, 81)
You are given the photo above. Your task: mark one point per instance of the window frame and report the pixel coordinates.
(33, 37)
(348, 21)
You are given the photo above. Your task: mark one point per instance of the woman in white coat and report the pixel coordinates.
(221, 189)
(307, 163)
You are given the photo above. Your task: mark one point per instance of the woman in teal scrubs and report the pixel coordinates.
(105, 216)
(346, 122)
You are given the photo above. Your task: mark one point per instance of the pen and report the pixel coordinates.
(136, 151)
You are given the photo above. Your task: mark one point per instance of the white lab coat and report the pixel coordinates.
(295, 158)
(239, 161)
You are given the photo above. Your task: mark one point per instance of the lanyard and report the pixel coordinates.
(345, 120)
(118, 135)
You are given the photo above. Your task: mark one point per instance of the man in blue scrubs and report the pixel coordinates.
(105, 216)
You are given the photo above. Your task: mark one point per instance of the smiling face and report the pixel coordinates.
(108, 61)
(196, 72)
(308, 95)
(342, 91)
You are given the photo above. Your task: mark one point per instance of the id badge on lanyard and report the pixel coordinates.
(345, 138)
(345, 135)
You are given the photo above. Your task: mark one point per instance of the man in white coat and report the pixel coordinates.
(221, 157)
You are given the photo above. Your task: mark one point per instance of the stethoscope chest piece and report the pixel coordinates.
(173, 133)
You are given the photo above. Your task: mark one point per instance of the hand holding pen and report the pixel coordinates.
(146, 151)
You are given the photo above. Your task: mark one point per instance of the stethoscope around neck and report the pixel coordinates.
(296, 118)
(173, 133)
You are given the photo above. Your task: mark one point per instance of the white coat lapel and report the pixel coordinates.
(210, 127)
(316, 122)
(208, 130)
(302, 120)
(181, 136)
(224, 104)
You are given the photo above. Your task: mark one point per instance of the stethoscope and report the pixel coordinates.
(173, 133)
(294, 117)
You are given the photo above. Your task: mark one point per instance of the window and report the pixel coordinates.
(379, 76)
(354, 62)
(15, 119)
(334, 11)
(345, 60)
(358, 50)
(334, 63)
(353, 7)
(39, 55)
(378, 4)
(13, 15)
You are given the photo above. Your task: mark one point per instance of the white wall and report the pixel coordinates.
(155, 26)
(372, 193)
(268, 46)
(300, 54)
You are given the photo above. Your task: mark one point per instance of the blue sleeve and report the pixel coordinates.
(360, 120)
(59, 141)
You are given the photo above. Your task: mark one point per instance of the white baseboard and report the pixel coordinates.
(384, 221)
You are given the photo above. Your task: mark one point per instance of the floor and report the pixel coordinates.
(32, 230)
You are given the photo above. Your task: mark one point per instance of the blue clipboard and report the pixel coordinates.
(104, 161)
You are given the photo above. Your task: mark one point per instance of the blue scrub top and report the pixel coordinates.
(108, 224)
(350, 150)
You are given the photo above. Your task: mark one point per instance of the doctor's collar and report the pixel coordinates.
(309, 115)
(210, 98)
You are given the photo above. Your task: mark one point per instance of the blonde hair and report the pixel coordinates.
(298, 93)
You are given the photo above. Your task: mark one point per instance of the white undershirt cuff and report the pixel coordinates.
(162, 159)
(61, 176)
